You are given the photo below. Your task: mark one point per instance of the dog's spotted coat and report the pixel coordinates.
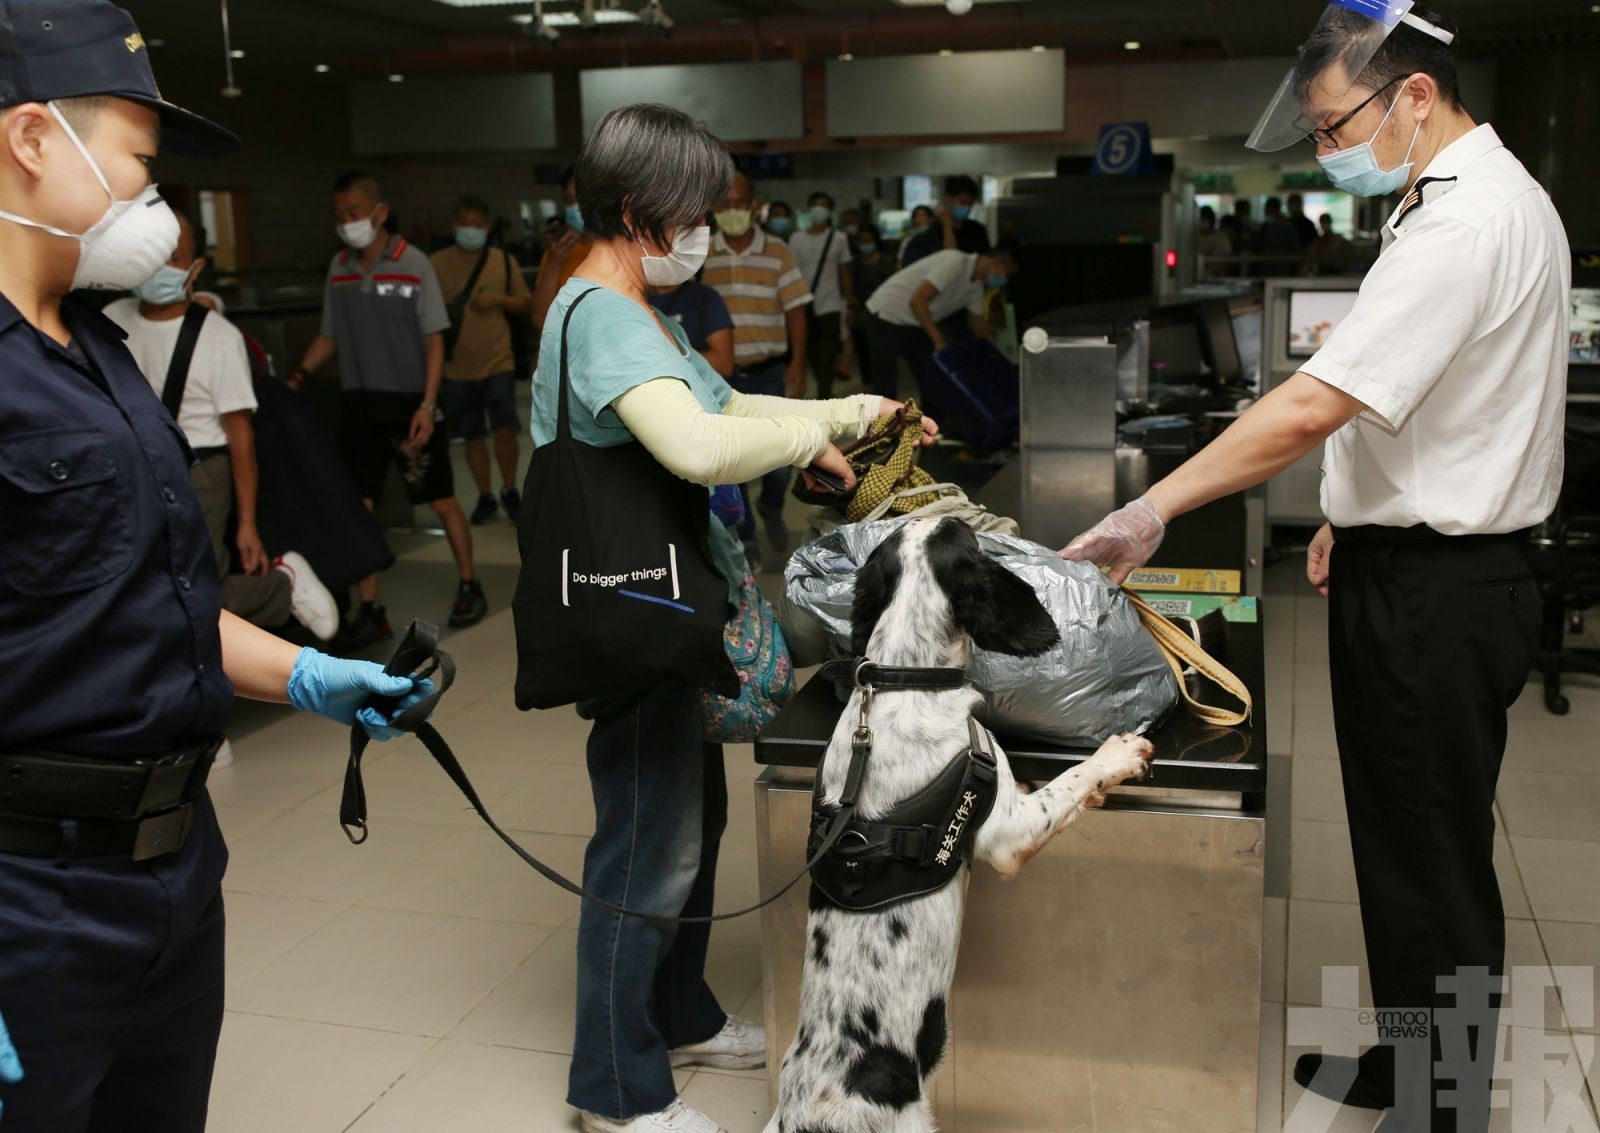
(873, 995)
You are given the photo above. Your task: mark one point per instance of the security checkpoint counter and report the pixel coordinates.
(1115, 985)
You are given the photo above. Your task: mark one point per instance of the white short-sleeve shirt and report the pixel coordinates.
(1457, 345)
(828, 297)
(219, 373)
(950, 271)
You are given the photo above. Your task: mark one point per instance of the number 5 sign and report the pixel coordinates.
(1124, 147)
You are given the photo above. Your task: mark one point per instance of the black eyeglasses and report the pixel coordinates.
(1324, 135)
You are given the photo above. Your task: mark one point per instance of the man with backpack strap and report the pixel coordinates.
(196, 362)
(486, 292)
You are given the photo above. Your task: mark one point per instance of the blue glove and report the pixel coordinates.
(337, 688)
(10, 1064)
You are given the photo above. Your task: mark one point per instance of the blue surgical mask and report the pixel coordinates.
(780, 226)
(470, 239)
(919, 229)
(961, 212)
(866, 250)
(997, 282)
(167, 286)
(820, 215)
(1356, 171)
(574, 217)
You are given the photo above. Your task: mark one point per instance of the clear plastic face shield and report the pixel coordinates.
(1318, 89)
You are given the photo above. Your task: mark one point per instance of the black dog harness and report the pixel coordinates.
(920, 843)
(420, 657)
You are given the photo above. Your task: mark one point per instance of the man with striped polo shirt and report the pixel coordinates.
(758, 279)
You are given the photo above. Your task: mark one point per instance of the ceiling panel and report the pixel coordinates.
(361, 37)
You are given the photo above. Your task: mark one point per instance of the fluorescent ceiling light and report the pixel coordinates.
(846, 57)
(945, 53)
(1132, 45)
(924, 3)
(322, 68)
(604, 16)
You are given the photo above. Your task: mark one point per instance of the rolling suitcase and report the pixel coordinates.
(978, 394)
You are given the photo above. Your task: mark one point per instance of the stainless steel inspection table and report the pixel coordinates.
(1114, 987)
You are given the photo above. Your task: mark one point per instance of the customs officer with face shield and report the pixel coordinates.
(120, 666)
(1441, 399)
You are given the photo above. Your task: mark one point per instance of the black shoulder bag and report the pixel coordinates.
(182, 355)
(822, 265)
(457, 307)
(618, 591)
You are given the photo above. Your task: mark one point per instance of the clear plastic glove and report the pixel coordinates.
(1121, 542)
(10, 1064)
(339, 688)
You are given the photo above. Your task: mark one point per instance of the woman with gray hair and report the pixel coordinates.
(645, 182)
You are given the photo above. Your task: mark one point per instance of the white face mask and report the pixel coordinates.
(358, 234)
(688, 253)
(127, 245)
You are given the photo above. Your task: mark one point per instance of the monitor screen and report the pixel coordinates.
(1312, 317)
(917, 189)
(1585, 326)
(1222, 349)
(1247, 332)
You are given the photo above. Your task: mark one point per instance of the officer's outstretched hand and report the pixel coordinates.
(1121, 542)
(339, 689)
(10, 1064)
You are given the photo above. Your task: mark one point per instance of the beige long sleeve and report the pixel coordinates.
(710, 448)
(845, 418)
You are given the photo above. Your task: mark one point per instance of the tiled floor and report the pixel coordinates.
(424, 980)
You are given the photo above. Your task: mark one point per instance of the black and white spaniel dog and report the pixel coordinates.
(872, 1025)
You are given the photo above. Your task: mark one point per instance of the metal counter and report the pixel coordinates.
(1115, 986)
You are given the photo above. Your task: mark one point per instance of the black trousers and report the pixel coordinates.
(1430, 640)
(111, 980)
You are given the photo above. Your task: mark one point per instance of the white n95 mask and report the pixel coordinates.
(688, 253)
(128, 244)
(358, 234)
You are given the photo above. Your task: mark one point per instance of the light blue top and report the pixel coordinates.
(613, 345)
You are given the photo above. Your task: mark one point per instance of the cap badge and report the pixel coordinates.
(134, 41)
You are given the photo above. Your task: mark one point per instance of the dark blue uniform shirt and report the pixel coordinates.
(109, 596)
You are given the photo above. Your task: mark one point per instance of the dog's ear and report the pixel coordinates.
(999, 610)
(875, 586)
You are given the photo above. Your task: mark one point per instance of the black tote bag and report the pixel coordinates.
(618, 592)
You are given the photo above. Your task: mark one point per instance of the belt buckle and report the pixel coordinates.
(162, 834)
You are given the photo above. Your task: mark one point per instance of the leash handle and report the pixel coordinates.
(1181, 651)
(419, 656)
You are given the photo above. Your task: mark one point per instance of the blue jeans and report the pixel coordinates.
(775, 484)
(661, 804)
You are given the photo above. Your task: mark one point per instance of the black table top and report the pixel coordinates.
(1189, 755)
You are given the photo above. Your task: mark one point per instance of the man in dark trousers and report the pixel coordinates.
(120, 665)
(1441, 399)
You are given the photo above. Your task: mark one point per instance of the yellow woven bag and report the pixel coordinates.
(885, 464)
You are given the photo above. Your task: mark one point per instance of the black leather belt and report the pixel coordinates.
(202, 454)
(52, 804)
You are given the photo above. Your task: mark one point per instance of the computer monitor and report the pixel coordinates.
(1313, 315)
(1217, 339)
(1585, 324)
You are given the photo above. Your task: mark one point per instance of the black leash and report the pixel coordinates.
(419, 657)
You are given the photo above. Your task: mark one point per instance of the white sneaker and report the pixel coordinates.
(676, 1118)
(224, 754)
(309, 600)
(738, 1046)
